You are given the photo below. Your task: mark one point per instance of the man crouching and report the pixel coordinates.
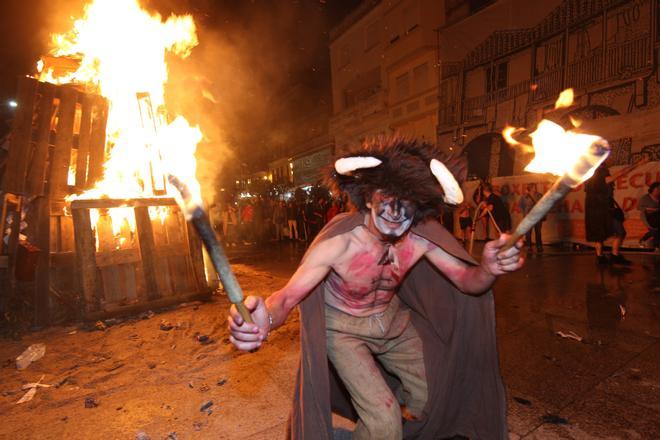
(380, 296)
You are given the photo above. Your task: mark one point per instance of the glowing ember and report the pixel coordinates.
(556, 151)
(565, 99)
(122, 50)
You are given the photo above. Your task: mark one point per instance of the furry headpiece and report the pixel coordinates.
(401, 168)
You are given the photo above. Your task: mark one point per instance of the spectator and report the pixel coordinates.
(649, 207)
(493, 203)
(229, 224)
(332, 211)
(300, 219)
(310, 221)
(258, 223)
(603, 218)
(465, 214)
(269, 205)
(291, 214)
(247, 223)
(215, 217)
(279, 220)
(526, 203)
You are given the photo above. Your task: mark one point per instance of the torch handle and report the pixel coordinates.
(245, 313)
(220, 262)
(557, 192)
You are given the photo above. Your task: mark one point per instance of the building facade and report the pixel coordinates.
(606, 50)
(384, 71)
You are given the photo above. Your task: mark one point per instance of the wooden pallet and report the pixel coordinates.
(158, 263)
(57, 149)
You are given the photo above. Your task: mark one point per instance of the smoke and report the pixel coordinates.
(237, 83)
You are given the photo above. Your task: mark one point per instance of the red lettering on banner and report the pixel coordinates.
(634, 180)
(621, 183)
(629, 203)
(577, 206)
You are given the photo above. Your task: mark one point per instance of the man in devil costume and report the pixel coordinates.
(401, 311)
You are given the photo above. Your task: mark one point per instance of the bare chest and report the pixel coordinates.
(376, 267)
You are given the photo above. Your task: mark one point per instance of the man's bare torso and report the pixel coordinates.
(364, 280)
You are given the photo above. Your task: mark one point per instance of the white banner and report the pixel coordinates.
(565, 221)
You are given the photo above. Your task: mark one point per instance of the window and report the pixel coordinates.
(496, 77)
(421, 77)
(402, 86)
(344, 56)
(371, 36)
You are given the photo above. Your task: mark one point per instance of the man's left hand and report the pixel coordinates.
(508, 261)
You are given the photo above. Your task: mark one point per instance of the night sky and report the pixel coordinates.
(250, 54)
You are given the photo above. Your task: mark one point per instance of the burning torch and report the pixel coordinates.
(173, 148)
(200, 221)
(571, 155)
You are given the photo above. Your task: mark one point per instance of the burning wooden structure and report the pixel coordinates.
(51, 250)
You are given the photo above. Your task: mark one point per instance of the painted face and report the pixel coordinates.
(391, 216)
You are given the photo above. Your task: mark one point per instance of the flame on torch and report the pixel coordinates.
(571, 155)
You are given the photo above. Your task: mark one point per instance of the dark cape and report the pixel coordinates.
(466, 393)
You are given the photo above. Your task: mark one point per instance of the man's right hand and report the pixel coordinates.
(246, 336)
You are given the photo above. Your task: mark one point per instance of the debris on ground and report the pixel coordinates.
(221, 382)
(204, 388)
(197, 426)
(112, 321)
(142, 436)
(622, 309)
(522, 401)
(550, 358)
(115, 366)
(100, 325)
(206, 406)
(171, 436)
(554, 419)
(91, 402)
(204, 339)
(166, 326)
(569, 335)
(31, 354)
(151, 365)
(635, 374)
(32, 390)
(146, 315)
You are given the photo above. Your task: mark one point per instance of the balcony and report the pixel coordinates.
(365, 106)
(628, 57)
(548, 85)
(587, 70)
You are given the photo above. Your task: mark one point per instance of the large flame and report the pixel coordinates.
(122, 50)
(556, 151)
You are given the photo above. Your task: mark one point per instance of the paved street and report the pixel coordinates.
(153, 374)
(604, 386)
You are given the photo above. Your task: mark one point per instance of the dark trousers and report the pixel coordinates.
(537, 236)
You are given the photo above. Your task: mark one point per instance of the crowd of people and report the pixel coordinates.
(604, 218)
(259, 220)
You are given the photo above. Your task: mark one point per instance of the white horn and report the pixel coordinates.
(346, 165)
(450, 186)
